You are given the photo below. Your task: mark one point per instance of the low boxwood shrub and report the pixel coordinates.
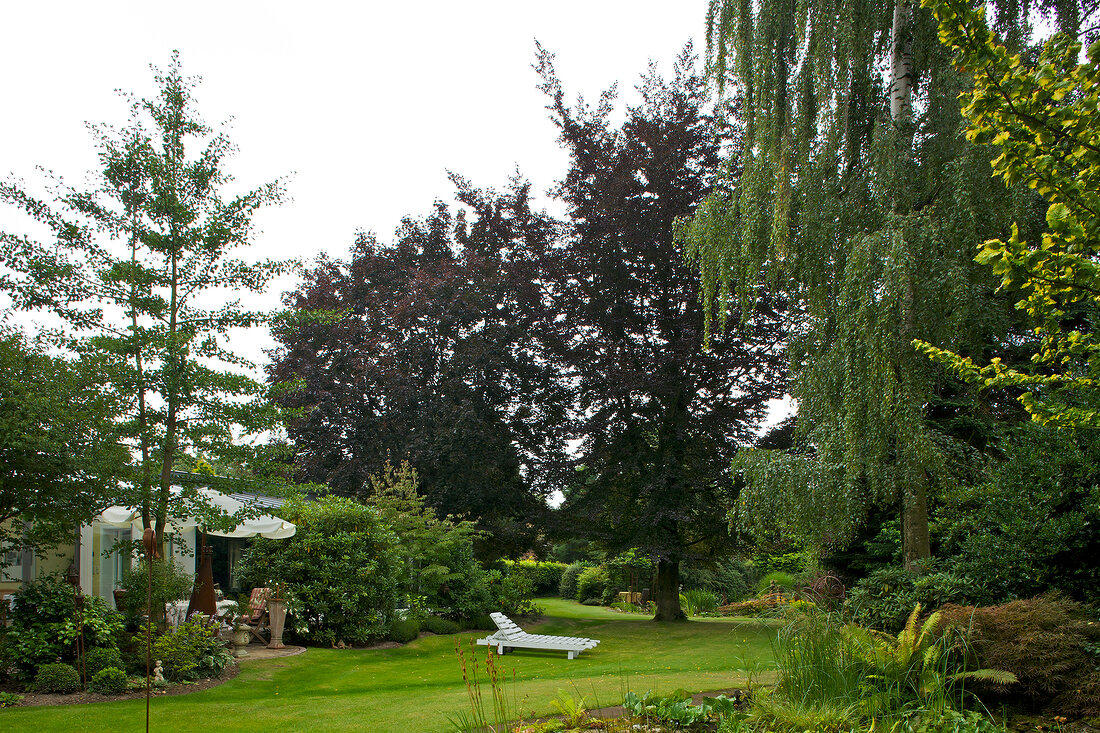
(108, 681)
(438, 625)
(479, 622)
(96, 660)
(58, 678)
(567, 588)
(404, 630)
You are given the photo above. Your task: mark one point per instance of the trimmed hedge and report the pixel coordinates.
(59, 678)
(545, 577)
(109, 681)
(404, 630)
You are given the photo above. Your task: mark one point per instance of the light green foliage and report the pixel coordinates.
(697, 601)
(108, 681)
(189, 651)
(545, 576)
(139, 266)
(591, 583)
(1042, 116)
(342, 569)
(573, 710)
(568, 586)
(438, 553)
(676, 708)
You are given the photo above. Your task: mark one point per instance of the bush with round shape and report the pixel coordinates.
(189, 651)
(96, 660)
(567, 588)
(591, 583)
(781, 581)
(57, 678)
(341, 569)
(440, 625)
(404, 630)
(108, 681)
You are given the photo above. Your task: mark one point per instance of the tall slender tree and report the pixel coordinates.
(659, 417)
(135, 267)
(858, 197)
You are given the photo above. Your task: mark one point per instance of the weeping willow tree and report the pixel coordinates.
(857, 195)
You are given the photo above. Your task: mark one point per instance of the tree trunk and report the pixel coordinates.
(915, 543)
(667, 592)
(901, 61)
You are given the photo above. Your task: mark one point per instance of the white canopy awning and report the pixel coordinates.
(264, 525)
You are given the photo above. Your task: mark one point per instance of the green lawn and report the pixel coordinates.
(416, 688)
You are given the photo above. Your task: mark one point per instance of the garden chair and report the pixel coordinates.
(509, 636)
(255, 618)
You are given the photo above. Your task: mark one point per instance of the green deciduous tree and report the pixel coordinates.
(1042, 115)
(854, 194)
(59, 454)
(139, 267)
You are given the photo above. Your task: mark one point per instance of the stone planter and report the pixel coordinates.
(241, 637)
(276, 618)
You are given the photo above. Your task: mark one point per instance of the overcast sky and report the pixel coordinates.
(367, 104)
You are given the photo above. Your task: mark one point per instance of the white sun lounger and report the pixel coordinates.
(509, 637)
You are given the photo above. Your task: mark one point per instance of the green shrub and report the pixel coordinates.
(170, 583)
(438, 625)
(568, 587)
(783, 581)
(341, 567)
(787, 562)
(592, 602)
(698, 601)
(189, 651)
(108, 681)
(545, 577)
(591, 583)
(884, 599)
(57, 678)
(481, 621)
(732, 579)
(43, 625)
(404, 630)
(96, 660)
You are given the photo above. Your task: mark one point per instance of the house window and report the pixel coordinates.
(13, 567)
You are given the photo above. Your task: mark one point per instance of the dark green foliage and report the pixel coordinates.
(108, 681)
(1033, 524)
(43, 625)
(545, 576)
(170, 583)
(567, 588)
(96, 660)
(1048, 642)
(404, 630)
(482, 621)
(9, 699)
(440, 625)
(57, 678)
(884, 599)
(792, 563)
(189, 651)
(732, 579)
(341, 568)
(591, 583)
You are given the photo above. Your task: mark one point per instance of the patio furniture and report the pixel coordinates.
(509, 636)
(255, 618)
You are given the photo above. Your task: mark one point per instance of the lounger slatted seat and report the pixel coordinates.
(510, 636)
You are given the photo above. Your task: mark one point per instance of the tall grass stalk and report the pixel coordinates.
(493, 716)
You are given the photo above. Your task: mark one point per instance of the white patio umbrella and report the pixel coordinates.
(264, 525)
